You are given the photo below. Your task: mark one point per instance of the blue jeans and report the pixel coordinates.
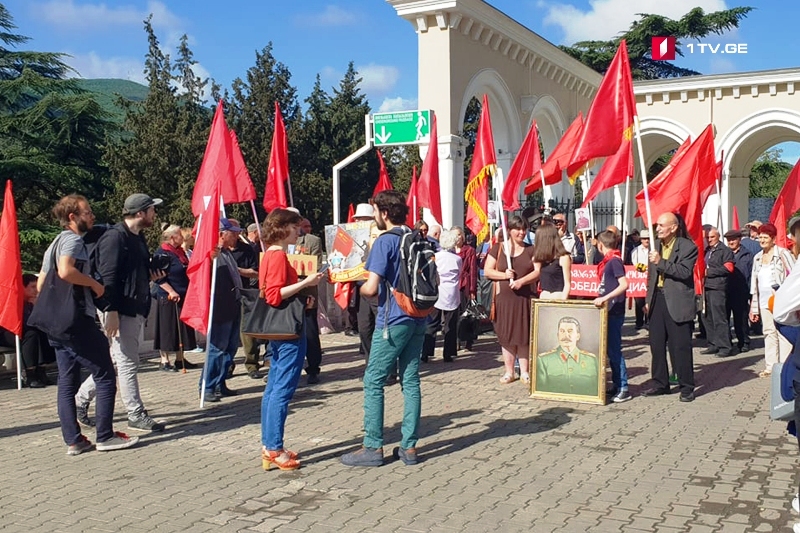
(619, 373)
(87, 348)
(403, 345)
(222, 346)
(284, 375)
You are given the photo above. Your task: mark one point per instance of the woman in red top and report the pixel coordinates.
(469, 282)
(279, 281)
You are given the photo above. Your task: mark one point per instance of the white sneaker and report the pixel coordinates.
(119, 441)
(796, 506)
(796, 528)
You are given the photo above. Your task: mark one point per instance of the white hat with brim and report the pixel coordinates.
(364, 211)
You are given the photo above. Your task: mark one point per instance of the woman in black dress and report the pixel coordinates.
(553, 263)
(172, 336)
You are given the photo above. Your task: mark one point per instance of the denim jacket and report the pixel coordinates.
(782, 263)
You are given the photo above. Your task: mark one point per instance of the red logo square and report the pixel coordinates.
(663, 48)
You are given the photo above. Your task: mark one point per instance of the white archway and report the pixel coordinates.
(504, 113)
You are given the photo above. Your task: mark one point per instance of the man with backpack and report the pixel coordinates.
(121, 261)
(403, 275)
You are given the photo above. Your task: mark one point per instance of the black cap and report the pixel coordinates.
(139, 202)
(733, 234)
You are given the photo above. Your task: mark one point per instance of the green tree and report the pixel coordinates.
(165, 136)
(251, 114)
(696, 24)
(768, 174)
(51, 134)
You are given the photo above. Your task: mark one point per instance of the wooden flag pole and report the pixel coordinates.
(643, 170)
(258, 225)
(19, 362)
(498, 187)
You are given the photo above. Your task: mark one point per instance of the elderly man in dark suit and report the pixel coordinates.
(671, 307)
(311, 245)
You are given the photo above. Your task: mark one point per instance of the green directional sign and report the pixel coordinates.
(401, 127)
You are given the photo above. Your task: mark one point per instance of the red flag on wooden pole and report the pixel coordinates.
(11, 298)
(610, 117)
(278, 169)
(197, 304)
(218, 165)
(786, 204)
(428, 192)
(553, 168)
(384, 184)
(411, 200)
(484, 166)
(526, 166)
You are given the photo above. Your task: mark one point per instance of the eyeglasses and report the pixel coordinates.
(84, 213)
(559, 222)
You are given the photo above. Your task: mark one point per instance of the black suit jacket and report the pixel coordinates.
(678, 273)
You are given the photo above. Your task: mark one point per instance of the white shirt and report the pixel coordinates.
(448, 265)
(640, 256)
(764, 285)
(568, 240)
(787, 300)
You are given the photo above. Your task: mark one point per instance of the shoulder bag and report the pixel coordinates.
(264, 321)
(57, 309)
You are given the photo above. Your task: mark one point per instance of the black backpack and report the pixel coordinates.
(418, 282)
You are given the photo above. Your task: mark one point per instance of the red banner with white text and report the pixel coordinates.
(586, 283)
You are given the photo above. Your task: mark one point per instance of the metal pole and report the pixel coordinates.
(346, 161)
(625, 216)
(208, 332)
(498, 182)
(19, 363)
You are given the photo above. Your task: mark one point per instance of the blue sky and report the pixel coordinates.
(106, 39)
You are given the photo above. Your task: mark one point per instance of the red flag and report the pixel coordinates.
(341, 294)
(383, 177)
(278, 169)
(198, 296)
(661, 184)
(615, 170)
(351, 214)
(343, 242)
(735, 219)
(11, 300)
(557, 160)
(411, 200)
(244, 190)
(786, 204)
(713, 187)
(526, 166)
(218, 164)
(428, 192)
(610, 115)
(484, 166)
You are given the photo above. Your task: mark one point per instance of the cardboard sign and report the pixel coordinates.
(347, 246)
(586, 283)
(303, 264)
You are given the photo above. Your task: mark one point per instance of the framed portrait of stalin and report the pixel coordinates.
(568, 351)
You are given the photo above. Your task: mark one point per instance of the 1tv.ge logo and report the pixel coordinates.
(663, 48)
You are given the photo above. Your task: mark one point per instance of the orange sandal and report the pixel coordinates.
(283, 459)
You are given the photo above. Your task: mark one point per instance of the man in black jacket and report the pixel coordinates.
(121, 260)
(739, 288)
(719, 266)
(671, 307)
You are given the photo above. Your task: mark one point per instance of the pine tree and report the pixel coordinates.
(696, 24)
(51, 134)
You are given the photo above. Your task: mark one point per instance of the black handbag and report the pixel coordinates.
(58, 307)
(264, 321)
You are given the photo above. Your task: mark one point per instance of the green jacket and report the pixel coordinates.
(563, 373)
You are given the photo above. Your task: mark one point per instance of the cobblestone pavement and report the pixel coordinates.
(492, 459)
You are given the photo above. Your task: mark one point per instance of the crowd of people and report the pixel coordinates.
(116, 277)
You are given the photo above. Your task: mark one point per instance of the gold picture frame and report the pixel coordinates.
(568, 351)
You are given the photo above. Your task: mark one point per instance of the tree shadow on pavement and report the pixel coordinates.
(727, 372)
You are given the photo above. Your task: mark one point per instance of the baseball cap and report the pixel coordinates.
(225, 225)
(792, 222)
(139, 202)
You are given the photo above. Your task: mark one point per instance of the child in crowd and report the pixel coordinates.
(613, 284)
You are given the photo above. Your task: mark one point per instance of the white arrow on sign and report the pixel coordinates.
(383, 136)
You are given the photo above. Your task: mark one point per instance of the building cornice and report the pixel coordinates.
(493, 28)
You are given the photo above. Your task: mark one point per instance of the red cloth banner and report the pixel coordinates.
(586, 283)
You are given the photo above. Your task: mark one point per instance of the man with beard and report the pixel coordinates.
(85, 346)
(122, 263)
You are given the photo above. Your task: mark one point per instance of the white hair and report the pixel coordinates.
(448, 240)
(169, 231)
